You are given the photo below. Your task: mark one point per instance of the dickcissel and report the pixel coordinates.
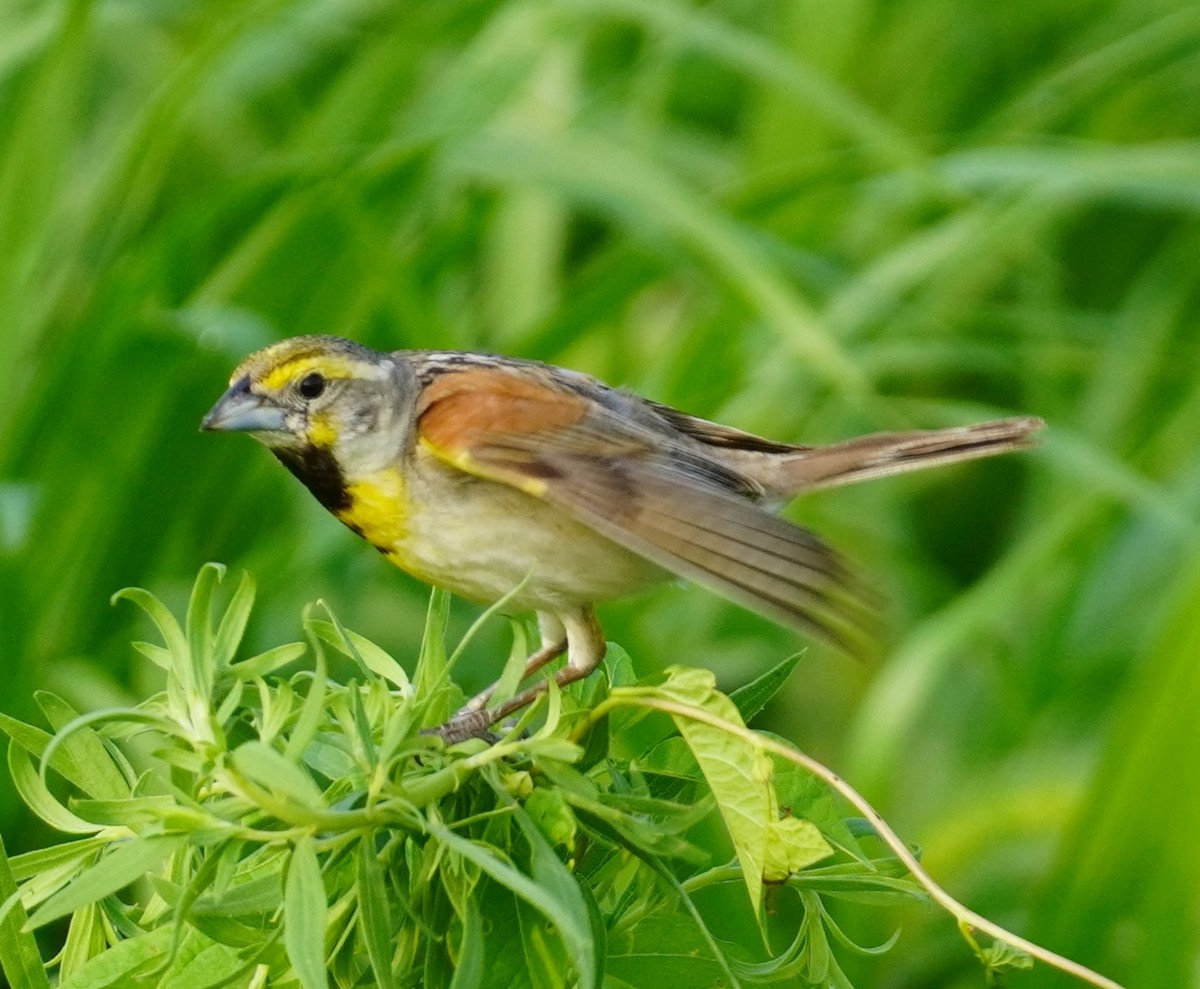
(485, 474)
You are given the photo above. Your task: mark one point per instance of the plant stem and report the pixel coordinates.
(968, 920)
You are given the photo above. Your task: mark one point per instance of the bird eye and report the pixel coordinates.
(311, 385)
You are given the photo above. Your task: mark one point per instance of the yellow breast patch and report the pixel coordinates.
(378, 509)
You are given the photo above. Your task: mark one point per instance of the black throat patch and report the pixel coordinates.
(319, 472)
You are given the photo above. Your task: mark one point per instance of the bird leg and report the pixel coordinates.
(585, 648)
(554, 644)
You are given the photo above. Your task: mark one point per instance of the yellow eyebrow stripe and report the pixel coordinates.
(282, 375)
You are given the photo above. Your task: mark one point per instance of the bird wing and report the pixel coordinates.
(667, 502)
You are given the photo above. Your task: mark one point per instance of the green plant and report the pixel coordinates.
(289, 827)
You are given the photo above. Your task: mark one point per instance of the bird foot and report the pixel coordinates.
(465, 724)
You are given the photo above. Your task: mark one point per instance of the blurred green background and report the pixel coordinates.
(809, 219)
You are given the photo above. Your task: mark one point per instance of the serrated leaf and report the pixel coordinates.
(304, 909)
(130, 861)
(19, 956)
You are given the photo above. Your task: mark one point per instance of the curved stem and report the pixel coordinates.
(968, 920)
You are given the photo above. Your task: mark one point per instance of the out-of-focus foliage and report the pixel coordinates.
(809, 219)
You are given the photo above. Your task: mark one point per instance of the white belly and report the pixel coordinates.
(481, 539)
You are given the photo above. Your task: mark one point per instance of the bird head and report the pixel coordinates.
(317, 400)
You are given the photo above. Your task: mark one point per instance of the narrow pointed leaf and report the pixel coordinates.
(233, 622)
(19, 956)
(304, 909)
(374, 919)
(39, 799)
(102, 777)
(130, 861)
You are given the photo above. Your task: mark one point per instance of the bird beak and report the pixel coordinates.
(240, 410)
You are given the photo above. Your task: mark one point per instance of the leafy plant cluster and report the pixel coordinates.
(269, 822)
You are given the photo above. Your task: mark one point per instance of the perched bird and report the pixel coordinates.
(485, 474)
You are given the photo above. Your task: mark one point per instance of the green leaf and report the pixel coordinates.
(246, 898)
(101, 776)
(35, 741)
(19, 956)
(119, 964)
(233, 623)
(545, 955)
(269, 769)
(137, 812)
(565, 909)
(571, 914)
(130, 861)
(304, 909)
(39, 799)
(752, 697)
(429, 679)
(167, 626)
(469, 965)
(211, 965)
(662, 951)
(158, 655)
(738, 774)
(268, 662)
(314, 703)
(514, 667)
(792, 844)
(374, 919)
(85, 940)
(362, 650)
(198, 626)
(44, 859)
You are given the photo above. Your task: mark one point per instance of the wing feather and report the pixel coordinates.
(696, 519)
